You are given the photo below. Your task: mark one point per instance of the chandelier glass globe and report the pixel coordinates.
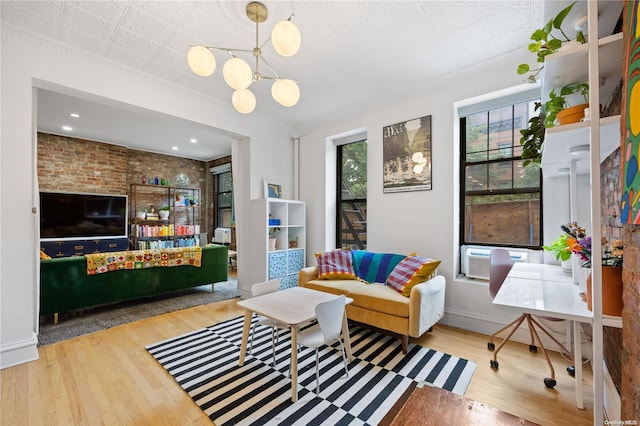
(237, 73)
(285, 38)
(286, 92)
(243, 101)
(201, 61)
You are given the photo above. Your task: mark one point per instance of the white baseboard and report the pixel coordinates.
(612, 402)
(16, 353)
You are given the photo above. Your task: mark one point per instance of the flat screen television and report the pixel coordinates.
(75, 216)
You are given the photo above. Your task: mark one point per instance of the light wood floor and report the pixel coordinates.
(108, 377)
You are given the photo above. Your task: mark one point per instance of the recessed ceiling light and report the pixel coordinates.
(193, 140)
(67, 128)
(74, 115)
(175, 148)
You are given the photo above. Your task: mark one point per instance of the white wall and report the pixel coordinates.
(425, 222)
(26, 63)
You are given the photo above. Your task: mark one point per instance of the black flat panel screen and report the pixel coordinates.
(67, 215)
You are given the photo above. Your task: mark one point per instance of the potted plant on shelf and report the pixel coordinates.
(163, 213)
(273, 234)
(557, 107)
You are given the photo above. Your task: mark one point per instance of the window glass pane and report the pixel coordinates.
(354, 225)
(354, 171)
(224, 218)
(476, 177)
(500, 175)
(521, 115)
(500, 133)
(526, 177)
(512, 219)
(476, 137)
(224, 199)
(224, 182)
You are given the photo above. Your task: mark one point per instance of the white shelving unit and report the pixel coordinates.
(288, 258)
(599, 63)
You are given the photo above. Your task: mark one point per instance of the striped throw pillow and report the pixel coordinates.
(374, 267)
(410, 271)
(335, 265)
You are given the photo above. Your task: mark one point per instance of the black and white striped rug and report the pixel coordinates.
(205, 365)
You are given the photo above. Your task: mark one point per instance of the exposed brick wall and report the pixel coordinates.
(79, 165)
(611, 229)
(630, 389)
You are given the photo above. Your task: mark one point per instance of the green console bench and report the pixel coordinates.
(65, 285)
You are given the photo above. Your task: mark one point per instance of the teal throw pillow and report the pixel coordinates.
(374, 267)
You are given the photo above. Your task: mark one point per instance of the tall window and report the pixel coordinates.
(224, 199)
(501, 199)
(351, 223)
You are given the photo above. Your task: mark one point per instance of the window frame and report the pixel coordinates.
(339, 199)
(217, 192)
(463, 164)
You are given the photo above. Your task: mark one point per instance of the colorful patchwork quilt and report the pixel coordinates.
(99, 263)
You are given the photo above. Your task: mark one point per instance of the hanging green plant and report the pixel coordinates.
(532, 139)
(545, 43)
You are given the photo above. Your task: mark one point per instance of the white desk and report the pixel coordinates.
(294, 306)
(546, 290)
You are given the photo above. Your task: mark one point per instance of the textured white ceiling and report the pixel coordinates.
(353, 54)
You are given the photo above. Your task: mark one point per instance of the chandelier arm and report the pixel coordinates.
(271, 68)
(229, 49)
(265, 42)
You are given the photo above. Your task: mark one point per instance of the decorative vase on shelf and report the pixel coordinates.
(272, 244)
(163, 214)
(566, 265)
(611, 291)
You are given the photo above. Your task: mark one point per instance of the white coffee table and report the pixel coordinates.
(293, 306)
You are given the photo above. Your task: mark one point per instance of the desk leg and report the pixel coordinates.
(345, 337)
(577, 360)
(294, 363)
(245, 336)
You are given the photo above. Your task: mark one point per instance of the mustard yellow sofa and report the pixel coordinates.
(380, 305)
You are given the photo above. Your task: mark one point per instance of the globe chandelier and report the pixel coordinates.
(285, 38)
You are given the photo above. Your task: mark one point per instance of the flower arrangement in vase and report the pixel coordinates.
(579, 242)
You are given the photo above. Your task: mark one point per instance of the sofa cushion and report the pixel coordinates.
(334, 286)
(374, 267)
(335, 264)
(380, 298)
(410, 271)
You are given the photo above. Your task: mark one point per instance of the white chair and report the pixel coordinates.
(330, 315)
(260, 289)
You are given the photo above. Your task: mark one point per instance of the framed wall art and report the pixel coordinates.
(406, 156)
(272, 189)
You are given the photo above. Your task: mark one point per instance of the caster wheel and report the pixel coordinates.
(571, 370)
(494, 364)
(533, 348)
(550, 383)
(491, 346)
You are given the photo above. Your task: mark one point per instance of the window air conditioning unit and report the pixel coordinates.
(477, 264)
(222, 235)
